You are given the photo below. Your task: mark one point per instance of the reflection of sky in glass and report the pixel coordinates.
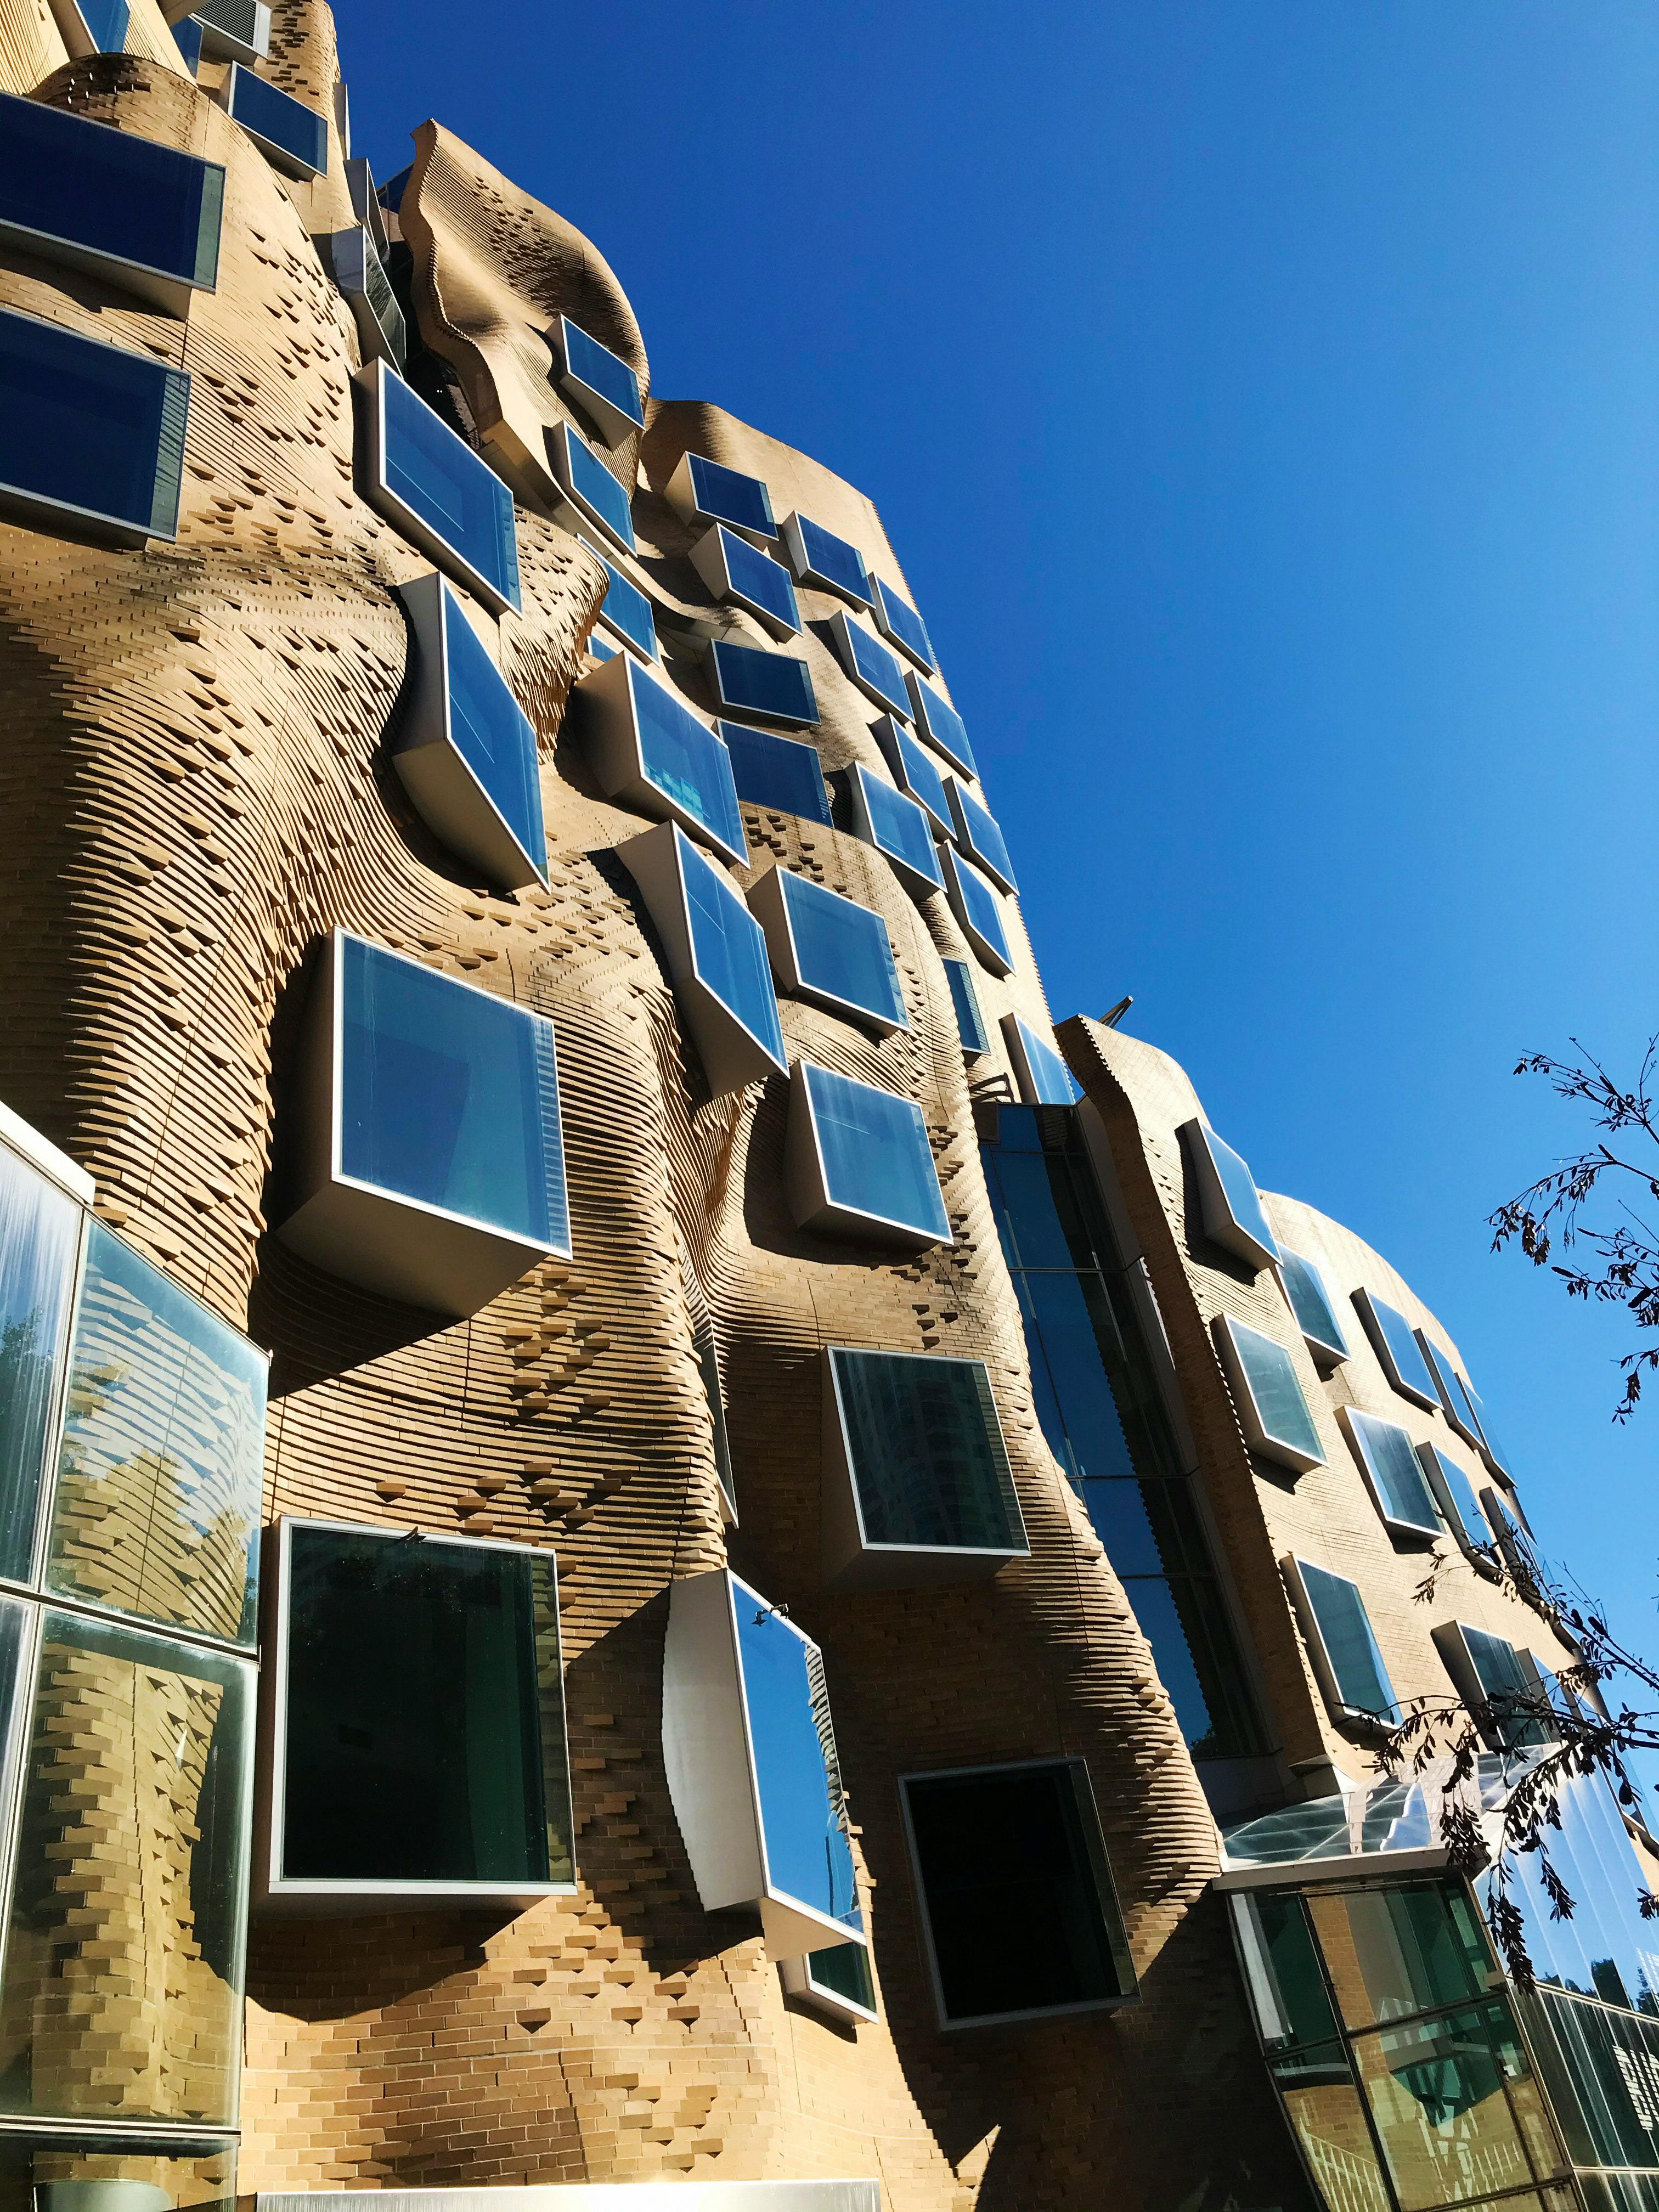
(877, 1159)
(841, 948)
(980, 911)
(728, 950)
(834, 559)
(755, 682)
(1403, 1348)
(726, 496)
(1238, 1189)
(755, 575)
(1362, 1680)
(1397, 1472)
(602, 371)
(875, 667)
(1304, 1286)
(782, 772)
(941, 724)
(899, 827)
(1605, 1949)
(971, 1022)
(38, 1231)
(807, 1854)
(1051, 1077)
(592, 481)
(442, 481)
(1270, 1377)
(493, 734)
(685, 761)
(984, 836)
(906, 624)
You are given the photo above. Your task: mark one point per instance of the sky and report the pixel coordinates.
(1261, 403)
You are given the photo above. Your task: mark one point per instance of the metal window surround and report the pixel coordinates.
(939, 723)
(742, 1772)
(1272, 1409)
(92, 197)
(735, 570)
(897, 827)
(1454, 1401)
(914, 771)
(382, 1239)
(625, 713)
(596, 379)
(234, 30)
(1043, 1076)
(1314, 1590)
(490, 533)
(978, 834)
(593, 497)
(1229, 1206)
(362, 284)
(868, 663)
(454, 800)
(1455, 1495)
(807, 1978)
(704, 491)
(748, 679)
(1498, 1681)
(731, 1017)
(789, 908)
(365, 203)
(1400, 1490)
(819, 1185)
(1397, 1350)
(975, 906)
(824, 561)
(625, 610)
(1309, 1297)
(898, 620)
(292, 136)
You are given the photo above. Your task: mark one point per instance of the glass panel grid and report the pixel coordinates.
(842, 949)
(874, 666)
(981, 835)
(971, 1022)
(728, 949)
(980, 909)
(755, 575)
(1270, 1377)
(875, 1157)
(833, 559)
(780, 773)
(924, 1452)
(940, 724)
(447, 489)
(39, 1241)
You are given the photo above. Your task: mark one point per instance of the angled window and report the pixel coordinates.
(361, 282)
(600, 649)
(716, 957)
(829, 950)
(705, 491)
(88, 432)
(746, 679)
(737, 570)
(652, 752)
(91, 26)
(975, 905)
(1513, 1542)
(597, 381)
(1449, 1388)
(857, 1163)
(939, 723)
(783, 774)
(365, 203)
(1500, 1683)
(897, 619)
(1043, 1077)
(234, 30)
(837, 1982)
(1271, 1410)
(1341, 1645)
(1491, 1449)
(92, 197)
(593, 496)
(869, 662)
(434, 490)
(749, 1748)
(427, 1163)
(980, 1835)
(40, 1245)
(292, 136)
(914, 772)
(624, 608)
(976, 832)
(187, 37)
(466, 752)
(971, 1022)
(1460, 1509)
(825, 562)
(1314, 1309)
(917, 1488)
(1397, 1349)
(417, 1737)
(897, 826)
(1229, 1206)
(1400, 1489)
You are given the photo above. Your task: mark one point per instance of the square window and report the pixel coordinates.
(597, 381)
(825, 562)
(1455, 1495)
(1398, 1487)
(746, 679)
(1271, 1410)
(361, 282)
(1513, 1543)
(716, 957)
(625, 608)
(418, 1736)
(40, 1247)
(857, 1163)
(1027, 1830)
(651, 752)
(90, 431)
(1341, 1645)
(896, 826)
(1043, 1077)
(292, 136)
(1309, 1300)
(734, 570)
(751, 1752)
(234, 30)
(702, 491)
(1397, 1349)
(1230, 1205)
(427, 1162)
(595, 497)
(939, 723)
(917, 1489)
(914, 772)
(466, 752)
(869, 662)
(897, 619)
(433, 489)
(977, 833)
(783, 774)
(829, 950)
(837, 1982)
(971, 1022)
(975, 905)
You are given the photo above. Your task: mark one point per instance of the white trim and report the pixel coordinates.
(794, 544)
(806, 1181)
(879, 588)
(609, 723)
(1326, 1356)
(919, 691)
(371, 379)
(713, 563)
(1257, 1435)
(863, 828)
(613, 424)
(1313, 1636)
(681, 495)
(768, 898)
(892, 736)
(959, 798)
(800, 1981)
(44, 1156)
(1368, 1307)
(1353, 1418)
(280, 157)
(587, 2197)
(1220, 1223)
(841, 627)
(579, 510)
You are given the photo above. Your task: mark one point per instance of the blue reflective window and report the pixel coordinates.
(187, 37)
(971, 1022)
(725, 495)
(1238, 1190)
(1396, 1473)
(802, 1826)
(1345, 1629)
(1396, 1347)
(600, 649)
(980, 835)
(824, 558)
(1051, 1080)
(980, 909)
(728, 949)
(756, 576)
(871, 665)
(449, 1097)
(1603, 1949)
(598, 491)
(897, 826)
(1310, 1302)
(66, 182)
(753, 681)
(842, 949)
(1269, 1374)
(900, 620)
(1460, 1491)
(939, 723)
(625, 606)
(449, 492)
(685, 761)
(603, 372)
(877, 1160)
(280, 125)
(780, 773)
(917, 774)
(924, 1452)
(89, 428)
(492, 733)
(39, 1235)
(106, 24)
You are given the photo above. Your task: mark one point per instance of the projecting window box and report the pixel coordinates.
(914, 772)
(782, 773)
(292, 136)
(1450, 1388)
(91, 27)
(1344, 1651)
(837, 1982)
(1455, 1494)
(1310, 1301)
(1500, 1682)
(869, 662)
(734, 570)
(1271, 1410)
(1043, 1076)
(625, 609)
(1229, 1206)
(434, 490)
(857, 1163)
(705, 491)
(975, 905)
(746, 679)
(896, 827)
(597, 381)
(897, 619)
(650, 752)
(363, 284)
(824, 561)
(234, 30)
(980, 836)
(829, 950)
(939, 723)
(1397, 1350)
(971, 1022)
(593, 498)
(1393, 1474)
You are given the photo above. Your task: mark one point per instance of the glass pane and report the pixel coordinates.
(449, 1097)
(1602, 2070)
(1064, 1323)
(278, 117)
(594, 483)
(941, 724)
(1345, 1629)
(759, 683)
(1304, 1286)
(109, 192)
(1514, 1695)
(625, 607)
(757, 576)
(905, 623)
(879, 669)
(1270, 1377)
(603, 371)
(845, 1972)
(1466, 1506)
(728, 950)
(780, 773)
(984, 1837)
(807, 1854)
(920, 778)
(834, 559)
(926, 1452)
(1238, 1187)
(1605, 1949)
(1323, 2107)
(1438, 2096)
(33, 2173)
(685, 761)
(89, 426)
(841, 948)
(123, 1985)
(1399, 1949)
(492, 732)
(39, 1230)
(981, 910)
(159, 1479)
(971, 1022)
(1051, 1077)
(985, 838)
(425, 1727)
(899, 827)
(1196, 1658)
(725, 495)
(445, 485)
(1403, 1348)
(106, 22)
(1282, 1970)
(877, 1160)
(1396, 1473)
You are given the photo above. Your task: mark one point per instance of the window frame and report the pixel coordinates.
(927, 662)
(800, 1981)
(821, 814)
(1261, 1440)
(579, 513)
(1479, 1553)
(1218, 1218)
(611, 422)
(814, 1207)
(956, 871)
(712, 560)
(913, 771)
(943, 740)
(959, 978)
(962, 827)
(858, 780)
(371, 380)
(1327, 1356)
(1443, 1373)
(843, 628)
(1372, 1310)
(1319, 1653)
(1452, 1641)
(768, 898)
(815, 578)
(681, 493)
(1025, 1044)
(1355, 1421)
(608, 720)
(740, 706)
(651, 656)
(279, 156)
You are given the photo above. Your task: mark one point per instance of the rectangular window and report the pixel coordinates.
(419, 1742)
(939, 723)
(625, 608)
(1513, 1545)
(433, 488)
(1443, 1372)
(39, 1241)
(91, 26)
(597, 381)
(1267, 1395)
(1043, 1077)
(1394, 1474)
(466, 752)
(1496, 1457)
(980, 1836)
(858, 1162)
(79, 192)
(829, 950)
(869, 662)
(914, 772)
(1500, 1684)
(896, 826)
(747, 680)
(187, 37)
(975, 905)
(837, 1982)
(1229, 1206)
(897, 619)
(917, 1487)
(1455, 1495)
(1345, 1653)
(361, 282)
(978, 835)
(234, 30)
(1315, 1310)
(292, 136)
(652, 752)
(1396, 1349)
(779, 773)
(702, 491)
(596, 497)
(90, 431)
(734, 570)
(825, 562)
(971, 1022)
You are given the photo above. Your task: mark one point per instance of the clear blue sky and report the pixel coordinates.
(1264, 403)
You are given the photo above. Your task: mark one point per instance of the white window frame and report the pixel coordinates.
(1370, 1307)
(404, 519)
(1220, 1223)
(863, 828)
(1257, 1435)
(609, 722)
(768, 899)
(806, 1181)
(1353, 1419)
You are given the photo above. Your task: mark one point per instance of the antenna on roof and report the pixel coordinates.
(1114, 1015)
